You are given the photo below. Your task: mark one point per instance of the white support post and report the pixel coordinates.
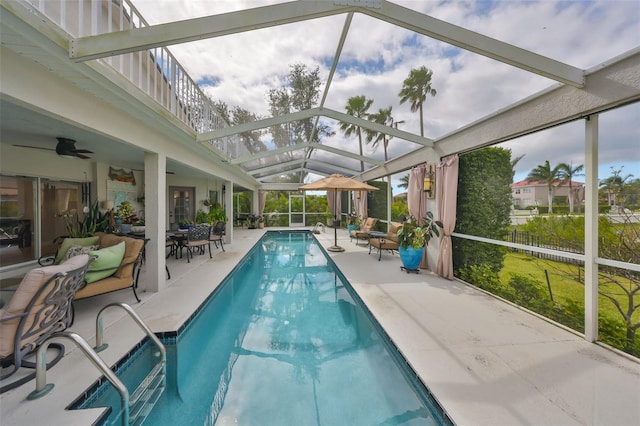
(155, 194)
(228, 203)
(591, 230)
(389, 201)
(254, 202)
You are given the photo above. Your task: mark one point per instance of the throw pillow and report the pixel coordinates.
(68, 242)
(77, 250)
(106, 262)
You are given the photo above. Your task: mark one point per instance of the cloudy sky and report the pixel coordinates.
(377, 56)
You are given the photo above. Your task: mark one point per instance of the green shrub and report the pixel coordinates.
(484, 205)
(482, 276)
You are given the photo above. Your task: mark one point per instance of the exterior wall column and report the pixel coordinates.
(254, 202)
(591, 230)
(389, 201)
(155, 206)
(228, 203)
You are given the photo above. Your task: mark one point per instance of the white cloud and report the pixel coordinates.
(581, 33)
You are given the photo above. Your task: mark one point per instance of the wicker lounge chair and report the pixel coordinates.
(390, 242)
(363, 232)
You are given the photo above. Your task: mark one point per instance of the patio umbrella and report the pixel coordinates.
(337, 182)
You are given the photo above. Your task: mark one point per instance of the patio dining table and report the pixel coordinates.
(180, 237)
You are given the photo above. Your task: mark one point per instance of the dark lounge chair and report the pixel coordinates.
(39, 307)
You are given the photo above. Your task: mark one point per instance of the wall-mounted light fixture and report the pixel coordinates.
(429, 182)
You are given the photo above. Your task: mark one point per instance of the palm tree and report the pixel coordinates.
(415, 88)
(513, 165)
(544, 173)
(614, 185)
(404, 182)
(356, 106)
(383, 116)
(567, 172)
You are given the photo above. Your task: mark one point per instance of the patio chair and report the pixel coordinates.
(390, 242)
(217, 234)
(197, 238)
(172, 245)
(39, 307)
(363, 232)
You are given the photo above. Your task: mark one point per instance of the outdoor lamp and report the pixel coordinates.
(358, 195)
(427, 184)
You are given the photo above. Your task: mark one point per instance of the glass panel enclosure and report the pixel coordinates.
(58, 200)
(17, 219)
(296, 210)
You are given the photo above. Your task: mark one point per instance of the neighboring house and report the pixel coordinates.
(529, 193)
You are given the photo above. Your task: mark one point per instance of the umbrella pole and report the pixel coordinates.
(335, 246)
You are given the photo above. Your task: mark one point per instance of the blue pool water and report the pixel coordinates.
(283, 341)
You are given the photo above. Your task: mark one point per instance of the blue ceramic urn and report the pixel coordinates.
(411, 257)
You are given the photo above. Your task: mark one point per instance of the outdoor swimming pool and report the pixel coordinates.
(283, 341)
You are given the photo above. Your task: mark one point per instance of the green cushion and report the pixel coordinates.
(68, 242)
(107, 262)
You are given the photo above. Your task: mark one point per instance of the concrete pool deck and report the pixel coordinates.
(486, 361)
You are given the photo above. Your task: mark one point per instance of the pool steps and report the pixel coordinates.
(135, 408)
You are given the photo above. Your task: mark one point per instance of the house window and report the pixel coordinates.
(19, 240)
(17, 219)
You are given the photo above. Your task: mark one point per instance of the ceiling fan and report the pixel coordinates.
(65, 148)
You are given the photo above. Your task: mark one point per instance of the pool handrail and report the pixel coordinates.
(158, 373)
(42, 388)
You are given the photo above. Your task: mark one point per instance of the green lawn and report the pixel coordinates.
(564, 284)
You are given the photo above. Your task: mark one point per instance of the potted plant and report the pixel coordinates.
(138, 226)
(217, 214)
(412, 239)
(91, 222)
(354, 222)
(126, 216)
(260, 222)
(252, 221)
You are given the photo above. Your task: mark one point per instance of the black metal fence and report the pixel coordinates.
(525, 238)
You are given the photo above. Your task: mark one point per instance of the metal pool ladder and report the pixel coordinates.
(135, 408)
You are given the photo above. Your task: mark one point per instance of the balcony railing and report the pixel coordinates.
(155, 71)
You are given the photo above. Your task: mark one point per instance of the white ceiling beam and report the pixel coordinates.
(162, 35)
(302, 115)
(264, 154)
(277, 166)
(608, 85)
(280, 186)
(276, 174)
(101, 46)
(288, 148)
(258, 124)
(334, 66)
(331, 166)
(366, 124)
(344, 153)
(478, 43)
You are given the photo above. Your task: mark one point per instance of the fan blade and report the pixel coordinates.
(82, 151)
(84, 157)
(35, 147)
